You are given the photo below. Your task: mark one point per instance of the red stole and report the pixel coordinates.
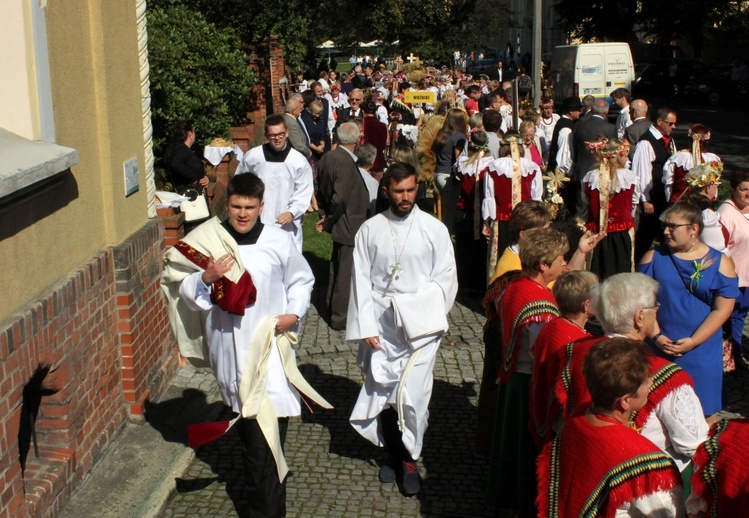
(524, 301)
(229, 296)
(547, 364)
(720, 476)
(593, 470)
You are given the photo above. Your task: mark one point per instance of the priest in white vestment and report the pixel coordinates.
(287, 176)
(240, 287)
(403, 285)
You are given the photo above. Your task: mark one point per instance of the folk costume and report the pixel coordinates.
(523, 309)
(255, 368)
(720, 482)
(678, 165)
(548, 354)
(287, 176)
(610, 209)
(470, 245)
(407, 262)
(606, 471)
(651, 154)
(503, 189)
(672, 417)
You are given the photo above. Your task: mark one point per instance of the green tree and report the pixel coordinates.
(198, 73)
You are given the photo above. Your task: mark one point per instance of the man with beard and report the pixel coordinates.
(403, 285)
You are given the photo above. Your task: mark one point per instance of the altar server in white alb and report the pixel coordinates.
(287, 177)
(403, 285)
(240, 287)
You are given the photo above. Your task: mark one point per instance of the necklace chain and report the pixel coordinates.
(395, 269)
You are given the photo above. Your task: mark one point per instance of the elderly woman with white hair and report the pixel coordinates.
(626, 304)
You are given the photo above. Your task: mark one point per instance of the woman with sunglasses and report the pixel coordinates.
(698, 290)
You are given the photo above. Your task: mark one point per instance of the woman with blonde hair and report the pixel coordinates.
(611, 191)
(448, 144)
(509, 180)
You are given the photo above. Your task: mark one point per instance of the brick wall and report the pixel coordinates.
(77, 362)
(142, 319)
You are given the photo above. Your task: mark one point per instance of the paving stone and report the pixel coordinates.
(335, 470)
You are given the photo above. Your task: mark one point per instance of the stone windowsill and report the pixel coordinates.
(26, 163)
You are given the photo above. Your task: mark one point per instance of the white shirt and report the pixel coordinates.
(642, 164)
(623, 121)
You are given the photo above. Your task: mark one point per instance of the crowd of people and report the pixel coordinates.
(604, 360)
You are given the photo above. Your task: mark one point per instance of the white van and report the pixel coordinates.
(594, 69)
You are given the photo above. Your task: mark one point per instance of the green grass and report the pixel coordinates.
(317, 249)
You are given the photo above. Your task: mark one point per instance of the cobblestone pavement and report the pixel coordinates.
(334, 470)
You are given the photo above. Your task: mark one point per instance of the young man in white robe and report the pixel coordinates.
(287, 176)
(403, 285)
(246, 285)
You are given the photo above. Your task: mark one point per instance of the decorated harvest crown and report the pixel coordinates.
(704, 174)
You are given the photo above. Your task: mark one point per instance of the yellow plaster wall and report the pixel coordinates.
(94, 71)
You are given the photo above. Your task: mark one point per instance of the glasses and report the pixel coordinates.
(654, 306)
(354, 99)
(672, 124)
(276, 136)
(673, 226)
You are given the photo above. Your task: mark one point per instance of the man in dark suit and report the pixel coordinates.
(587, 112)
(344, 206)
(640, 124)
(500, 74)
(585, 131)
(353, 111)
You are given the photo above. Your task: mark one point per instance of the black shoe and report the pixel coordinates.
(411, 477)
(387, 474)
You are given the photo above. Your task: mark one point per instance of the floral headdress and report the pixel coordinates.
(595, 146)
(704, 174)
(622, 150)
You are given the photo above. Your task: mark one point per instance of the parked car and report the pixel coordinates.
(714, 86)
(667, 77)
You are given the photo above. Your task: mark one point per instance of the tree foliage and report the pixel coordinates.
(432, 29)
(198, 72)
(661, 22)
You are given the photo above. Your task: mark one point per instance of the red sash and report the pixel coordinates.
(547, 363)
(666, 377)
(229, 296)
(524, 301)
(574, 482)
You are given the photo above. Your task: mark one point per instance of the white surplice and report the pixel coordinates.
(288, 188)
(426, 266)
(284, 281)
